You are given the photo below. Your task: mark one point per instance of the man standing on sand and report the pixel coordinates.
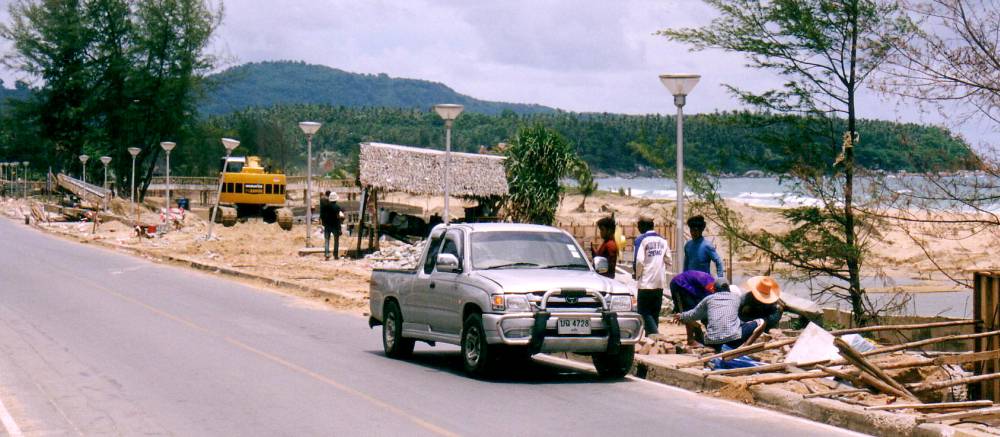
(652, 260)
(331, 215)
(699, 253)
(608, 248)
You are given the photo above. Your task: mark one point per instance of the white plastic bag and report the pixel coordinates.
(813, 344)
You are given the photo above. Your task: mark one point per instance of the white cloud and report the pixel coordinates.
(581, 55)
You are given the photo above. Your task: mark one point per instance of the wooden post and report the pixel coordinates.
(375, 217)
(986, 298)
(361, 219)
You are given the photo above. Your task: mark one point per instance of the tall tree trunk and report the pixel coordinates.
(853, 255)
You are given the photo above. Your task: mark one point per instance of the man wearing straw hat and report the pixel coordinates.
(762, 301)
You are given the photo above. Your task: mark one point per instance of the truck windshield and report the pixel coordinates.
(518, 250)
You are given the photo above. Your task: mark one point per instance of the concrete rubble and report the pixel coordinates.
(395, 255)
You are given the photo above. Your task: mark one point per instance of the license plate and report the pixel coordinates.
(572, 326)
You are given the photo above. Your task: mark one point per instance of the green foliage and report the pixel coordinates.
(585, 182)
(722, 143)
(267, 84)
(537, 159)
(113, 74)
(824, 50)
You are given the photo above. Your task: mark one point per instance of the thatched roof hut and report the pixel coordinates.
(420, 171)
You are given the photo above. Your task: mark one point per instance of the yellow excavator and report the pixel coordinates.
(249, 191)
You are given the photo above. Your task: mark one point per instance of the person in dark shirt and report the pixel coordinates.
(608, 248)
(762, 301)
(331, 215)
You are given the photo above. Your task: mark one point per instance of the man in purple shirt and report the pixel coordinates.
(687, 290)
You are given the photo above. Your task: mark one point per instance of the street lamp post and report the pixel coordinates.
(83, 163)
(105, 160)
(229, 144)
(680, 85)
(449, 112)
(167, 147)
(25, 164)
(134, 151)
(309, 128)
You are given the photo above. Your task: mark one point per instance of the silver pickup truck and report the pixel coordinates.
(506, 290)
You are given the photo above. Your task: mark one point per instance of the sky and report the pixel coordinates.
(578, 55)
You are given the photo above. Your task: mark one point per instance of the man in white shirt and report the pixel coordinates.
(652, 259)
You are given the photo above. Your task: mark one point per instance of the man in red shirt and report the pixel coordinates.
(608, 249)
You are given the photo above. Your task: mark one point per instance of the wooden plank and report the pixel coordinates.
(903, 327)
(961, 415)
(937, 406)
(742, 350)
(835, 393)
(937, 385)
(864, 365)
(967, 358)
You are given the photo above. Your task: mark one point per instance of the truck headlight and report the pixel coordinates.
(517, 303)
(621, 303)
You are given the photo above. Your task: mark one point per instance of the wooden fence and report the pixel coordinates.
(985, 308)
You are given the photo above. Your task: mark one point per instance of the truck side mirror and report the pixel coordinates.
(447, 263)
(601, 264)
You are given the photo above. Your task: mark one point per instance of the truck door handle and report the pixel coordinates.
(432, 285)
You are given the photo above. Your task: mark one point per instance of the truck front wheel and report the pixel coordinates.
(393, 342)
(614, 366)
(478, 356)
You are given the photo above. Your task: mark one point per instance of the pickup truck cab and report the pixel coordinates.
(506, 289)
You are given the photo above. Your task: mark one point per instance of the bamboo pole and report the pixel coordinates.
(742, 350)
(864, 365)
(914, 344)
(928, 386)
(836, 393)
(960, 415)
(902, 327)
(937, 406)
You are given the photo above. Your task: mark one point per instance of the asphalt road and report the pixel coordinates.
(93, 343)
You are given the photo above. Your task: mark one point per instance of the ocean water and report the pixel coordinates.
(767, 192)
(770, 192)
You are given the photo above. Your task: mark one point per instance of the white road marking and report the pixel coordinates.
(8, 422)
(583, 367)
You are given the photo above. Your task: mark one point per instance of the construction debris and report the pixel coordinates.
(396, 255)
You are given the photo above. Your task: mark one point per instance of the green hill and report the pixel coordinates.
(265, 84)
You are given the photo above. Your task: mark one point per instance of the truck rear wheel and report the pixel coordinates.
(393, 342)
(614, 366)
(478, 356)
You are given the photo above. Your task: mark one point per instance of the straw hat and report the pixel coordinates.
(764, 288)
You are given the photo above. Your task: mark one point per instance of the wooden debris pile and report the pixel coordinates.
(900, 378)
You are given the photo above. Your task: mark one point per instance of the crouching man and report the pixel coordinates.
(719, 312)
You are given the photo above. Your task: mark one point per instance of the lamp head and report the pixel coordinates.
(105, 160)
(230, 144)
(168, 146)
(134, 151)
(309, 127)
(448, 111)
(680, 84)
(84, 158)
(25, 164)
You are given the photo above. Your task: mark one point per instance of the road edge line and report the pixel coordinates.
(8, 421)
